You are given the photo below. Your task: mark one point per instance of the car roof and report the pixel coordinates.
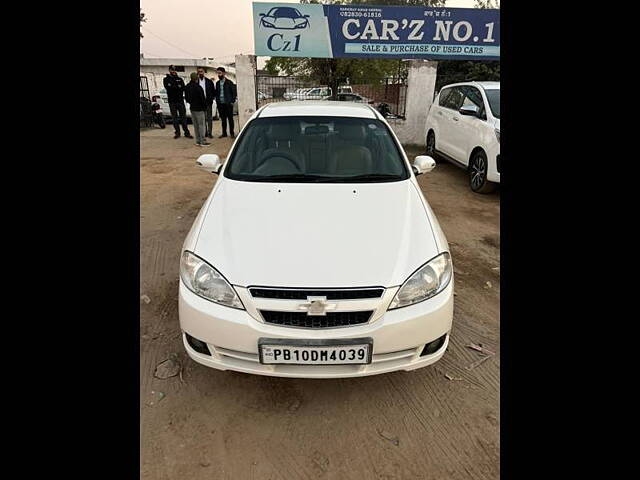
(485, 85)
(317, 108)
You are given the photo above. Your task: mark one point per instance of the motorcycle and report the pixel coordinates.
(385, 111)
(156, 114)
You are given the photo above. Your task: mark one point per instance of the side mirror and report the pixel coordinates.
(262, 14)
(209, 162)
(470, 110)
(307, 16)
(423, 164)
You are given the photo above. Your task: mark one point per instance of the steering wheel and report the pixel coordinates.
(287, 156)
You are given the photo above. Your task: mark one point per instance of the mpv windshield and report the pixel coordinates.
(493, 96)
(316, 149)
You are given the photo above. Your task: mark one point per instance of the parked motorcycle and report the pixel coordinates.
(385, 111)
(157, 115)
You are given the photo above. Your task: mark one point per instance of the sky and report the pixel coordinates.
(206, 28)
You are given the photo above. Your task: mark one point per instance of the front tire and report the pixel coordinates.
(478, 167)
(161, 122)
(431, 145)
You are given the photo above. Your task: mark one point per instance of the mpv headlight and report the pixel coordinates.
(205, 281)
(429, 280)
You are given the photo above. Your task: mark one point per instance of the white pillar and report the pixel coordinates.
(421, 85)
(246, 84)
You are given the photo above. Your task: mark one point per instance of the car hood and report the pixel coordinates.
(316, 235)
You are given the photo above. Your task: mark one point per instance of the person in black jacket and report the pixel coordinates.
(225, 98)
(175, 90)
(197, 100)
(210, 94)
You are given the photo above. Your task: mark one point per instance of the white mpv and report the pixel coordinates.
(463, 126)
(316, 254)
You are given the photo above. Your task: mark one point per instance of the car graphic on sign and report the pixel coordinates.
(284, 18)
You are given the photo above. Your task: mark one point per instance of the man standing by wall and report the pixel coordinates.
(225, 98)
(209, 89)
(175, 92)
(194, 94)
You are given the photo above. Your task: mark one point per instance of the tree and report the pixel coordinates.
(487, 4)
(142, 20)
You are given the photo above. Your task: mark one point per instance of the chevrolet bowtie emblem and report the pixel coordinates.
(317, 306)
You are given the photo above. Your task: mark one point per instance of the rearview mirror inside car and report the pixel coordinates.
(423, 164)
(470, 110)
(209, 162)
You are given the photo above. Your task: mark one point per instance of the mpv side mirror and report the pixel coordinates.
(423, 164)
(209, 162)
(470, 110)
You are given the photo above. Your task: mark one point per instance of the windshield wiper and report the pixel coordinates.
(367, 177)
(296, 177)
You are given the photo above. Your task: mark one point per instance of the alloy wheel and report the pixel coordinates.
(478, 172)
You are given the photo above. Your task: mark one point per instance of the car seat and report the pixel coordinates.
(350, 156)
(282, 138)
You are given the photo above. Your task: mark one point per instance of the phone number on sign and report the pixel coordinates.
(361, 14)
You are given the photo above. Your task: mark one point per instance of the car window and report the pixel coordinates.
(454, 99)
(493, 96)
(473, 97)
(316, 149)
(443, 96)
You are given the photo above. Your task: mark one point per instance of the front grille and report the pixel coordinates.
(302, 320)
(302, 294)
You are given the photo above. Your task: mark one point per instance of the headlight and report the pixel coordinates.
(497, 134)
(429, 280)
(206, 282)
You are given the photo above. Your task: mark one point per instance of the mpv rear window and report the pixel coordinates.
(443, 97)
(454, 99)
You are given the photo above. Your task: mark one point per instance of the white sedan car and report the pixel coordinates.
(463, 126)
(316, 254)
(163, 101)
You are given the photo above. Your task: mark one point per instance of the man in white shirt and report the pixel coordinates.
(209, 89)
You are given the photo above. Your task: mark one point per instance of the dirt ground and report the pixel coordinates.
(439, 422)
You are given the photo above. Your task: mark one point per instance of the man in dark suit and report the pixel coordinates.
(225, 98)
(174, 85)
(209, 90)
(195, 96)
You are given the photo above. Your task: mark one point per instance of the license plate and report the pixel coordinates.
(355, 351)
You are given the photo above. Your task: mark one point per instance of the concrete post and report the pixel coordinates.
(421, 84)
(246, 84)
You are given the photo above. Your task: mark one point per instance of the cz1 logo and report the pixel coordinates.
(277, 43)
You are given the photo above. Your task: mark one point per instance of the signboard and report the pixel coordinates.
(365, 31)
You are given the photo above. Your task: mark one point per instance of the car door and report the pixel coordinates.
(448, 119)
(467, 128)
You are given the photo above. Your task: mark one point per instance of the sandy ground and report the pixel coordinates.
(439, 422)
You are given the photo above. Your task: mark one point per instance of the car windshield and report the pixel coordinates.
(284, 13)
(494, 101)
(316, 149)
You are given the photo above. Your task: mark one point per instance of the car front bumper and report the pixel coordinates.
(232, 336)
(493, 172)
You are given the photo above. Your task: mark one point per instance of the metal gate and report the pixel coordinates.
(388, 95)
(145, 103)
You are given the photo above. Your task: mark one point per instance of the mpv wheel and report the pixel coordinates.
(478, 174)
(431, 145)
